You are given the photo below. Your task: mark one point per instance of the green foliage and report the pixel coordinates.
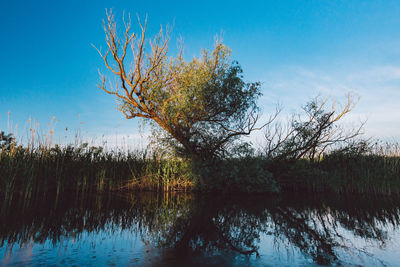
(6, 141)
(210, 111)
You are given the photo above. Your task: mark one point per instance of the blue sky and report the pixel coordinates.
(297, 49)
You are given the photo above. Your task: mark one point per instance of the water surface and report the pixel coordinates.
(190, 230)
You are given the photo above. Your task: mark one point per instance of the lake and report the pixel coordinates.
(148, 229)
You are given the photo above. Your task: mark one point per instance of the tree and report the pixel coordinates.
(202, 106)
(311, 135)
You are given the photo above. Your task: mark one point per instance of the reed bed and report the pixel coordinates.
(84, 169)
(40, 168)
(88, 169)
(341, 173)
(378, 174)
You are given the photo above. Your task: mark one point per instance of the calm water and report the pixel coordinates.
(189, 230)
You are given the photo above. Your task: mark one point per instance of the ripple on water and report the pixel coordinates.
(148, 229)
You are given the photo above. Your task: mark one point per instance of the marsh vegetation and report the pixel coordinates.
(33, 171)
(199, 110)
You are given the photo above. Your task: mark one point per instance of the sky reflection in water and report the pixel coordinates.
(174, 229)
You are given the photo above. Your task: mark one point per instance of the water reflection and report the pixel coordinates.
(198, 230)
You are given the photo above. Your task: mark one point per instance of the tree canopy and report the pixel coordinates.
(201, 106)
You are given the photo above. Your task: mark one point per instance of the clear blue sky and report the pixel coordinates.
(297, 49)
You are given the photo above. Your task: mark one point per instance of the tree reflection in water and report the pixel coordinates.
(190, 227)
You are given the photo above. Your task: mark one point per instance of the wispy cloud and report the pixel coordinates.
(377, 86)
(380, 74)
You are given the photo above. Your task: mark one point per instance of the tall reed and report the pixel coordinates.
(83, 169)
